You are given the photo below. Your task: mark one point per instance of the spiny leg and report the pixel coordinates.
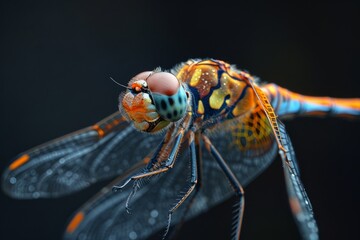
(169, 163)
(153, 159)
(197, 186)
(193, 180)
(131, 195)
(139, 177)
(235, 184)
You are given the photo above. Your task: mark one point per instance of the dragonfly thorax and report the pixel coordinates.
(154, 100)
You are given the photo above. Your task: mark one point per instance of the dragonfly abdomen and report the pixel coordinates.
(288, 104)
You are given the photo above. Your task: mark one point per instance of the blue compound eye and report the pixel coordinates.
(168, 94)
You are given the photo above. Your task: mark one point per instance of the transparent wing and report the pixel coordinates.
(76, 160)
(247, 144)
(298, 199)
(214, 187)
(106, 217)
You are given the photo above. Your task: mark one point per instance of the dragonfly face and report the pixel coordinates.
(153, 100)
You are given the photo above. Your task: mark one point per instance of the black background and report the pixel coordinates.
(55, 63)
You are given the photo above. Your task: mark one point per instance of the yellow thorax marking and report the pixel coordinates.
(200, 109)
(229, 86)
(195, 77)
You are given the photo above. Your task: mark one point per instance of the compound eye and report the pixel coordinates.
(168, 95)
(163, 83)
(143, 75)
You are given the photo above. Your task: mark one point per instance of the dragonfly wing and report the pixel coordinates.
(247, 144)
(299, 201)
(76, 160)
(245, 160)
(106, 217)
(214, 186)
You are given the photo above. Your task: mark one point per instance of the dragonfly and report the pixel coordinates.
(182, 142)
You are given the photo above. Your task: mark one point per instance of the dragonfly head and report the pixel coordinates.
(153, 100)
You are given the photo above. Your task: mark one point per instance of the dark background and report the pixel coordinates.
(55, 63)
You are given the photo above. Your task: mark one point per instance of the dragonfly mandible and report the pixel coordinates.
(183, 141)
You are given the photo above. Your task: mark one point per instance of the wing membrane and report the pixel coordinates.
(299, 201)
(246, 159)
(76, 160)
(247, 144)
(105, 216)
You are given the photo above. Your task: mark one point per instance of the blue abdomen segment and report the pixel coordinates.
(288, 104)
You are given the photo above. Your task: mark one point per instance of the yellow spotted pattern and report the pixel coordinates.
(195, 77)
(203, 78)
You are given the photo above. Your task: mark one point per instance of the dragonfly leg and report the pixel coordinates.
(193, 181)
(197, 186)
(169, 163)
(235, 184)
(147, 174)
(136, 186)
(153, 160)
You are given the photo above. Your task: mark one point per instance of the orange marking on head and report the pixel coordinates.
(136, 86)
(100, 131)
(18, 162)
(74, 223)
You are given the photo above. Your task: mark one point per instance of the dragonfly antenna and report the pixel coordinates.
(119, 83)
